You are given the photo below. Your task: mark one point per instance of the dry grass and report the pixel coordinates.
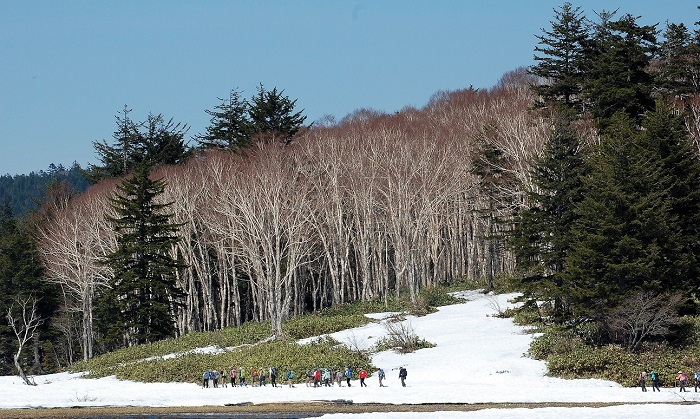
(307, 408)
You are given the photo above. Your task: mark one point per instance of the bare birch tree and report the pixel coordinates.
(24, 320)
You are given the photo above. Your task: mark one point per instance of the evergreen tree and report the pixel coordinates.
(495, 182)
(679, 61)
(637, 226)
(617, 58)
(140, 303)
(152, 142)
(21, 276)
(542, 237)
(561, 59)
(272, 116)
(230, 128)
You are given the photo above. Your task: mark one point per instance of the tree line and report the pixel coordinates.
(577, 177)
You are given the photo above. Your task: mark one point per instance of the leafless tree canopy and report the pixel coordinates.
(23, 319)
(370, 207)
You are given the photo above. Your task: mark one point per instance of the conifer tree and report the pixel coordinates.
(542, 237)
(559, 56)
(272, 115)
(617, 59)
(142, 297)
(152, 142)
(637, 226)
(230, 128)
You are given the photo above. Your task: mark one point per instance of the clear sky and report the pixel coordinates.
(68, 67)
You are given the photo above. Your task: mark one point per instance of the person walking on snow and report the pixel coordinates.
(348, 375)
(655, 381)
(402, 375)
(233, 375)
(205, 377)
(682, 379)
(381, 375)
(642, 379)
(363, 375)
(697, 380)
(339, 378)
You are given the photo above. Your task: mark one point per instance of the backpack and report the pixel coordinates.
(206, 375)
(288, 375)
(653, 376)
(381, 374)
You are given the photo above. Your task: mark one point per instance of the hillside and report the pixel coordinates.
(480, 361)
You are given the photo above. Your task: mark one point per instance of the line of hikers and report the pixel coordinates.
(313, 378)
(681, 380)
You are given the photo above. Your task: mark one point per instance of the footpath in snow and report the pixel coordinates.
(479, 358)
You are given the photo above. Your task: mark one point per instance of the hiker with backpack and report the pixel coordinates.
(348, 375)
(289, 376)
(363, 375)
(339, 378)
(402, 375)
(241, 377)
(233, 373)
(642, 380)
(655, 381)
(381, 376)
(273, 376)
(682, 379)
(697, 380)
(205, 378)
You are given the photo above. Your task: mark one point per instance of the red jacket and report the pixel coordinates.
(363, 374)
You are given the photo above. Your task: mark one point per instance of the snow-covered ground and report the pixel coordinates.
(479, 358)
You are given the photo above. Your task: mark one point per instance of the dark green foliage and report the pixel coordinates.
(24, 193)
(679, 61)
(269, 116)
(272, 116)
(559, 57)
(617, 58)
(542, 239)
(636, 229)
(230, 127)
(20, 276)
(152, 142)
(139, 304)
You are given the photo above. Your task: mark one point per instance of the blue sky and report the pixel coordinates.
(68, 67)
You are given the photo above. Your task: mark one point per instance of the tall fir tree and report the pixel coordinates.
(230, 127)
(637, 225)
(140, 303)
(559, 57)
(616, 68)
(542, 239)
(273, 117)
(152, 142)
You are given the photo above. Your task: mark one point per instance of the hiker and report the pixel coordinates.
(339, 378)
(655, 381)
(326, 377)
(682, 379)
(307, 379)
(402, 375)
(348, 375)
(381, 375)
(363, 375)
(223, 378)
(289, 375)
(241, 377)
(254, 376)
(317, 378)
(215, 377)
(697, 380)
(233, 375)
(205, 377)
(263, 377)
(642, 379)
(273, 376)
